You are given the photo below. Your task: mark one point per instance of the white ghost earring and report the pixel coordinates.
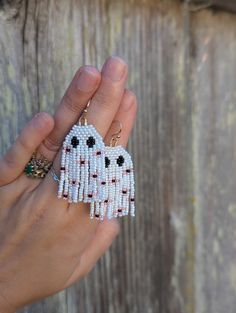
(120, 185)
(82, 172)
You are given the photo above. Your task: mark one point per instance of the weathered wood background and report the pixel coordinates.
(179, 254)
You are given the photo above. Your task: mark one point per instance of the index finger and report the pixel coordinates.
(81, 89)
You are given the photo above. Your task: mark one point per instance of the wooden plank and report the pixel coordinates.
(177, 255)
(214, 132)
(144, 265)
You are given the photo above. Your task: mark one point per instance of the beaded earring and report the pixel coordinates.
(120, 186)
(82, 172)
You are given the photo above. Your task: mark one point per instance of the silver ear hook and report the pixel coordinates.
(116, 136)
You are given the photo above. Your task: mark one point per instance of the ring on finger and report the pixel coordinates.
(37, 167)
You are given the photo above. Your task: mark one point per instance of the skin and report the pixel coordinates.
(47, 244)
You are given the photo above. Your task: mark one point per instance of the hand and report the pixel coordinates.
(46, 244)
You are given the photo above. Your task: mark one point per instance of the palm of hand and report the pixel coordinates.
(47, 244)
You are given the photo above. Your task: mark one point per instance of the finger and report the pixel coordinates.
(106, 108)
(16, 158)
(103, 238)
(107, 98)
(126, 116)
(81, 89)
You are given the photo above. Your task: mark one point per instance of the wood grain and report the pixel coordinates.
(214, 101)
(178, 254)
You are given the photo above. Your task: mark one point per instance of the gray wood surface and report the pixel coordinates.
(179, 254)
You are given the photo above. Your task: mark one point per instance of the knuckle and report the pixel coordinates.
(52, 144)
(104, 99)
(70, 101)
(25, 144)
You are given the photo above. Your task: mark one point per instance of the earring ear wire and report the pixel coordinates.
(116, 136)
(83, 119)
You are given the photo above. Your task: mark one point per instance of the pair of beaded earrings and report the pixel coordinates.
(97, 174)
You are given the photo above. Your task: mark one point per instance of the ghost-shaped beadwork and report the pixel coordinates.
(119, 186)
(82, 173)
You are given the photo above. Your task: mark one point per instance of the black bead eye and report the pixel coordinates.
(107, 162)
(90, 142)
(74, 142)
(120, 161)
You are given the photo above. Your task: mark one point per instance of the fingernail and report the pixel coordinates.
(87, 79)
(127, 102)
(114, 68)
(41, 119)
(37, 119)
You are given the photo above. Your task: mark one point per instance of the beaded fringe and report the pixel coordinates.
(120, 186)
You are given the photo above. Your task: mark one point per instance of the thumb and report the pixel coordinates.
(14, 161)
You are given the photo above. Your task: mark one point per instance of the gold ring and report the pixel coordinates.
(37, 167)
